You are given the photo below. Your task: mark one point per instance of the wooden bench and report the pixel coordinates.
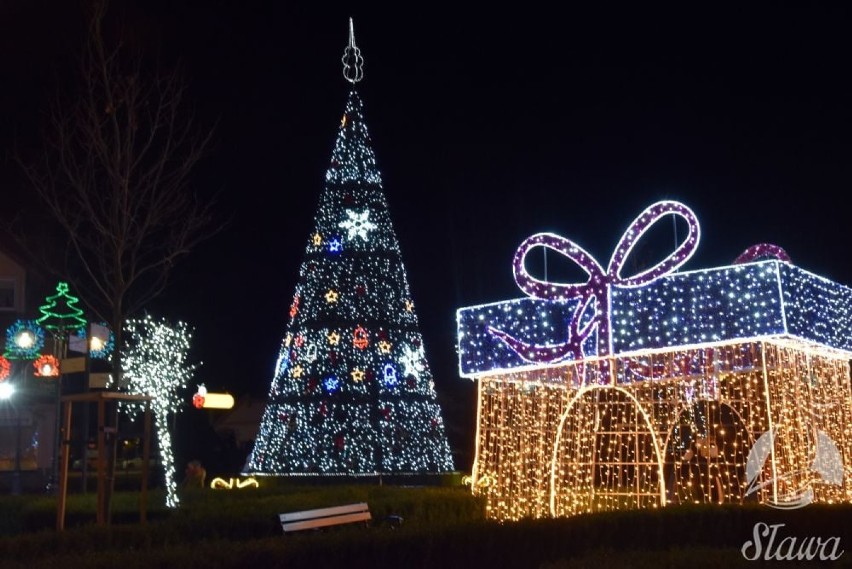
(322, 517)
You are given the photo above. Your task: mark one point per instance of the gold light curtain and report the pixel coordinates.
(664, 428)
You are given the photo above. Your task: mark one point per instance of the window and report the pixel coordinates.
(7, 295)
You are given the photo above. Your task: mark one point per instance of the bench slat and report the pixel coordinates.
(324, 512)
(326, 521)
(322, 517)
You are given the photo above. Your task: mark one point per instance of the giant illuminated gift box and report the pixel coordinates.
(720, 385)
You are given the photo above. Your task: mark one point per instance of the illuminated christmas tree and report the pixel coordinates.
(352, 391)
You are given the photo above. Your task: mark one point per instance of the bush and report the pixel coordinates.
(442, 527)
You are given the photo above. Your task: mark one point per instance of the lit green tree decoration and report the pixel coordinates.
(60, 313)
(155, 360)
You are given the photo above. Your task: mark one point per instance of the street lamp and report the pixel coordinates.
(7, 390)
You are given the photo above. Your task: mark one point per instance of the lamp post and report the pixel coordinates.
(7, 390)
(61, 316)
(63, 319)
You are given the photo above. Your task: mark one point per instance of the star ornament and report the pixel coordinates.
(357, 375)
(385, 346)
(298, 371)
(331, 296)
(357, 225)
(317, 239)
(333, 338)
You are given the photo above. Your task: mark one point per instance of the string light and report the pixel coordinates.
(60, 312)
(219, 483)
(156, 363)
(664, 401)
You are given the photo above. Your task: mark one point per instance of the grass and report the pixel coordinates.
(442, 527)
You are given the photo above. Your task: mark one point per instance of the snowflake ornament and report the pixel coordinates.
(412, 361)
(357, 224)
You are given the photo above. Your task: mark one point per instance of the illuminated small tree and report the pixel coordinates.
(155, 359)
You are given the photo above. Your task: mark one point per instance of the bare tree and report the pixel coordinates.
(114, 175)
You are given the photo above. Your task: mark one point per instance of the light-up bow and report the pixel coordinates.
(762, 251)
(595, 293)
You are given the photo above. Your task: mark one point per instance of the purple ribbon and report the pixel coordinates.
(594, 294)
(762, 251)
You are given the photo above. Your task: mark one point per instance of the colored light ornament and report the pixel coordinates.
(198, 397)
(385, 347)
(5, 368)
(232, 483)
(24, 339)
(331, 383)
(311, 353)
(357, 375)
(46, 366)
(281, 361)
(335, 245)
(288, 339)
(317, 239)
(409, 306)
(60, 313)
(333, 338)
(358, 224)
(294, 308)
(389, 373)
(762, 251)
(331, 296)
(412, 361)
(360, 338)
(298, 371)
(299, 341)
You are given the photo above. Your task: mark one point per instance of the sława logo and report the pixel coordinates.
(768, 542)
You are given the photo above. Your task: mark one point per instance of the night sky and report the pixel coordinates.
(488, 126)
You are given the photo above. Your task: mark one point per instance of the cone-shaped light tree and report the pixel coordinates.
(352, 392)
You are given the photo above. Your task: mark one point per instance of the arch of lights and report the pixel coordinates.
(656, 388)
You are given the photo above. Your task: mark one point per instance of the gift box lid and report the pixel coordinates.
(762, 295)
